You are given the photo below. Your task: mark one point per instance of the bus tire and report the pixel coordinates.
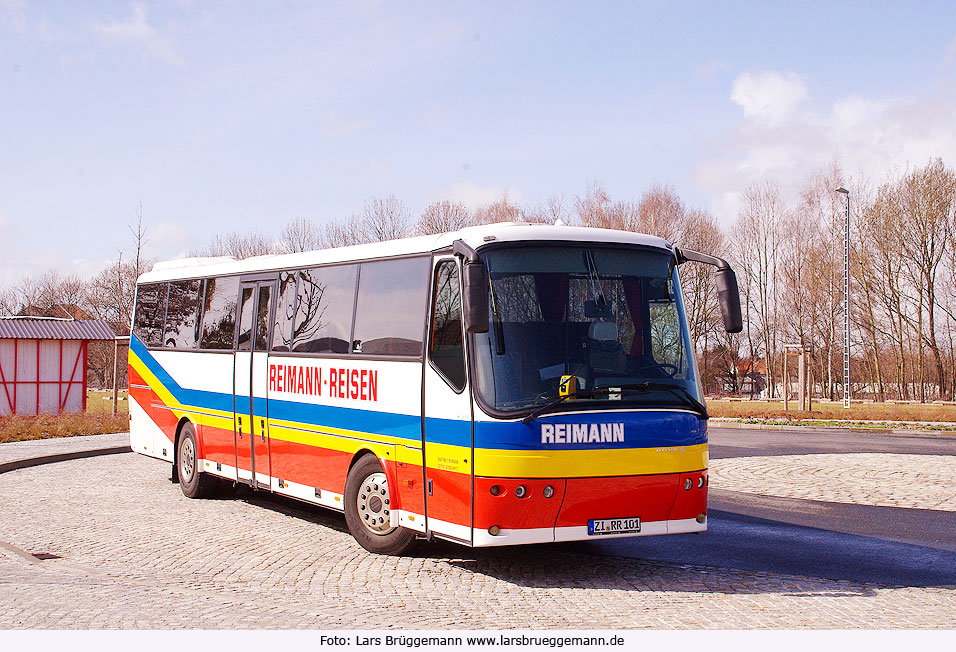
(194, 483)
(367, 507)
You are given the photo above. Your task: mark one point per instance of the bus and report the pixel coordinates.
(503, 384)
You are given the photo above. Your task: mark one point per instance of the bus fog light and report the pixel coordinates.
(521, 491)
(495, 490)
(688, 483)
(494, 530)
(701, 518)
(548, 491)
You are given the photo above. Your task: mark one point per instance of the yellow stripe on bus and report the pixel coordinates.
(166, 397)
(458, 459)
(589, 463)
(333, 439)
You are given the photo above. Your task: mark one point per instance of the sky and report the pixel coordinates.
(238, 116)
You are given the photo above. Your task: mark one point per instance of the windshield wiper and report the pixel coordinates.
(677, 390)
(561, 399)
(638, 388)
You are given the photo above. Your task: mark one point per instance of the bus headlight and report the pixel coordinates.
(521, 491)
(548, 491)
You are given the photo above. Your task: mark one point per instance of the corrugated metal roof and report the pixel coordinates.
(37, 328)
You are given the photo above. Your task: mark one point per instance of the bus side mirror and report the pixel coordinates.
(729, 298)
(475, 297)
(728, 294)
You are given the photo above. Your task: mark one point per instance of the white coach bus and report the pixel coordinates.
(503, 384)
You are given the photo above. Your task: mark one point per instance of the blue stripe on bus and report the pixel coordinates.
(193, 397)
(641, 429)
(403, 426)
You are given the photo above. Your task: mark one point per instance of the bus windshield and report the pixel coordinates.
(610, 316)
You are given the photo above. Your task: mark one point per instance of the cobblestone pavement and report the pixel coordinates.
(135, 553)
(882, 479)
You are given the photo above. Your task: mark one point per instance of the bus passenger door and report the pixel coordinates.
(447, 437)
(251, 382)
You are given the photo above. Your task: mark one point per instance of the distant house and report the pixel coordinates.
(43, 363)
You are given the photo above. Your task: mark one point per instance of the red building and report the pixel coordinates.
(43, 363)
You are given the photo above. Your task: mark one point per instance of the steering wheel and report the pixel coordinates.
(668, 369)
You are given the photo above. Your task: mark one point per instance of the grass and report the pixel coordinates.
(101, 402)
(97, 420)
(863, 413)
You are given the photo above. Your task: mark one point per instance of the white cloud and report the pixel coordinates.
(768, 96)
(136, 31)
(870, 136)
(166, 240)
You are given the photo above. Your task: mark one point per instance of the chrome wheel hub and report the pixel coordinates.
(373, 504)
(187, 460)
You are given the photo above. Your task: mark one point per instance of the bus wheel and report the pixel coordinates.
(367, 509)
(193, 483)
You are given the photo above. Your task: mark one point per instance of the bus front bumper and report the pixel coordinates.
(510, 511)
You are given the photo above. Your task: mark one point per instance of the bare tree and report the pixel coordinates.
(927, 197)
(139, 237)
(596, 209)
(444, 216)
(701, 233)
(500, 210)
(344, 233)
(238, 246)
(385, 218)
(548, 212)
(593, 208)
(51, 294)
(662, 213)
(7, 302)
(757, 233)
(300, 234)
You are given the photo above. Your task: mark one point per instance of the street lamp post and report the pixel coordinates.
(846, 300)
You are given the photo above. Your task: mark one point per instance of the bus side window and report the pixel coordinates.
(262, 318)
(150, 313)
(446, 349)
(390, 308)
(323, 313)
(285, 312)
(182, 312)
(245, 320)
(219, 313)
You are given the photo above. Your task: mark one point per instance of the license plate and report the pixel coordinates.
(599, 526)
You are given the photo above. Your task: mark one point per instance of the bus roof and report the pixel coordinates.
(474, 236)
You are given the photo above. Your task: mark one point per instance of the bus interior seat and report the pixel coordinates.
(605, 353)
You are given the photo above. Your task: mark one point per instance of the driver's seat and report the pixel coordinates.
(605, 353)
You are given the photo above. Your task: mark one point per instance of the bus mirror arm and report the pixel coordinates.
(728, 294)
(474, 289)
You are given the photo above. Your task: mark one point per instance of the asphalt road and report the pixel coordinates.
(862, 543)
(744, 442)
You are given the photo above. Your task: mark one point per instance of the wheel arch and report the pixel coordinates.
(179, 431)
(387, 468)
